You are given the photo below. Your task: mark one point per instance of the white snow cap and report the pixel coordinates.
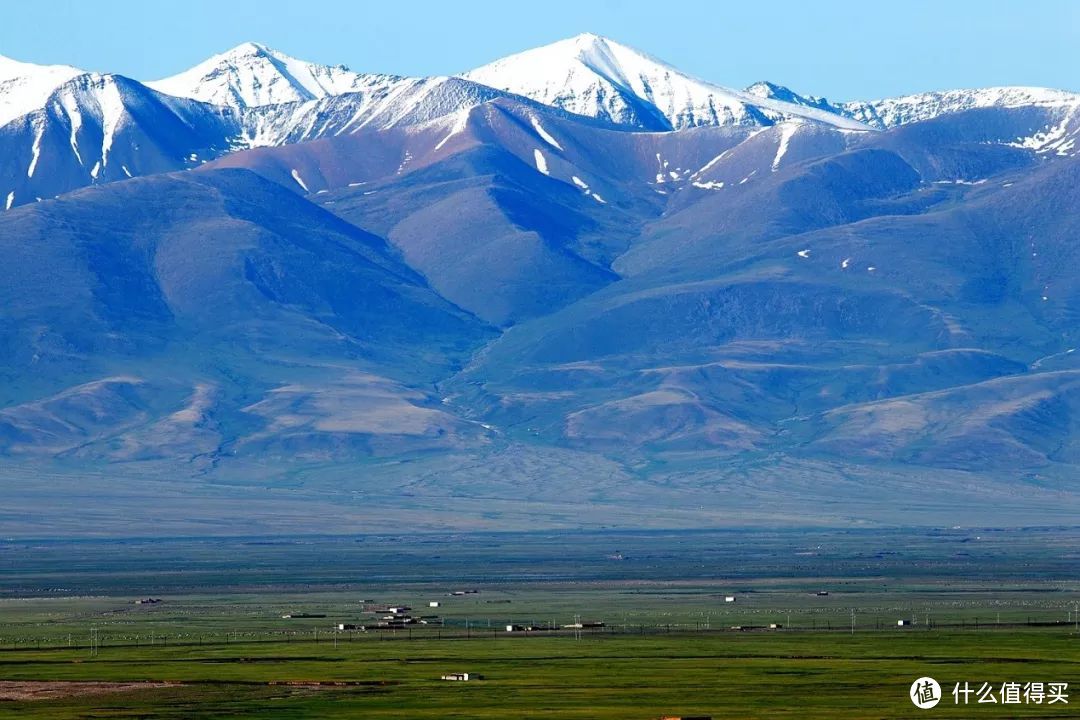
(594, 76)
(253, 75)
(24, 87)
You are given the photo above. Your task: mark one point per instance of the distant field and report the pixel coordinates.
(824, 675)
(993, 607)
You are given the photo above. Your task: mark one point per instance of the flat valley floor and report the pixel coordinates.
(731, 624)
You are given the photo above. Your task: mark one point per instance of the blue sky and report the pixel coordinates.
(840, 49)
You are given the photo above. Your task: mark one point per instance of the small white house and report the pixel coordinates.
(434, 603)
(729, 598)
(903, 623)
(462, 677)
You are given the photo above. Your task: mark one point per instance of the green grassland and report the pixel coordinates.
(726, 675)
(986, 607)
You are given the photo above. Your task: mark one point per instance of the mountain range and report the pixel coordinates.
(574, 287)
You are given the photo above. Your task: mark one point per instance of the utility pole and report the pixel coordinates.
(852, 621)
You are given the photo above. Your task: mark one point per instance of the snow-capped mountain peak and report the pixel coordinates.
(253, 75)
(595, 76)
(766, 90)
(24, 87)
(249, 49)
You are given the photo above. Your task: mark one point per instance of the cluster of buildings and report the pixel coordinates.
(392, 617)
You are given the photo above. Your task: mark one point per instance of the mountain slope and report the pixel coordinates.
(488, 200)
(399, 102)
(214, 318)
(849, 341)
(196, 252)
(464, 202)
(597, 77)
(99, 128)
(766, 264)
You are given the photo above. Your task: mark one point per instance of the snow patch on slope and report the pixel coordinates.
(461, 121)
(75, 120)
(787, 130)
(544, 133)
(112, 114)
(39, 132)
(541, 161)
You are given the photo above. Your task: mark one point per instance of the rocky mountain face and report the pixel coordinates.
(436, 302)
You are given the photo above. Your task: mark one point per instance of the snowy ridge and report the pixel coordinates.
(24, 87)
(891, 112)
(593, 76)
(400, 101)
(765, 90)
(253, 75)
(62, 128)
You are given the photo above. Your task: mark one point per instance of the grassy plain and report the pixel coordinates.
(806, 675)
(988, 607)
